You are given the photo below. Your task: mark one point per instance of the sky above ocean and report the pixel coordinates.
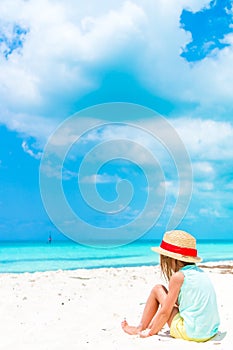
(163, 158)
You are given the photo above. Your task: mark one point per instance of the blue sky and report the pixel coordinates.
(59, 57)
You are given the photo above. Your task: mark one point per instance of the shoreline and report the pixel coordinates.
(219, 267)
(226, 265)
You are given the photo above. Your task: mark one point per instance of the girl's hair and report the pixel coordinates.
(168, 267)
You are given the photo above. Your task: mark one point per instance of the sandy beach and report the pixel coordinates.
(83, 309)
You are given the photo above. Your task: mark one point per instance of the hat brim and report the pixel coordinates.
(180, 257)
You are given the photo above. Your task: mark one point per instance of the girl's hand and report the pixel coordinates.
(145, 333)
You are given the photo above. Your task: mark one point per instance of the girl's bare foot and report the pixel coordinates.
(132, 330)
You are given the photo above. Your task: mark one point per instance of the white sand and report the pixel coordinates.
(83, 309)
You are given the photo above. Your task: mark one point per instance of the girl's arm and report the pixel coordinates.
(165, 311)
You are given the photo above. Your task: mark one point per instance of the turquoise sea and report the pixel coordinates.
(37, 256)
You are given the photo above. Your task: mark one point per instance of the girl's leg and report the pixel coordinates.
(175, 311)
(156, 297)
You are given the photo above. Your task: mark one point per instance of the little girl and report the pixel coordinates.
(189, 305)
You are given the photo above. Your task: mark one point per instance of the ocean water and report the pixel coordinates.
(37, 256)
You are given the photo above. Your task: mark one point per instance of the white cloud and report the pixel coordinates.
(229, 186)
(210, 212)
(28, 124)
(206, 139)
(62, 54)
(207, 84)
(55, 171)
(30, 151)
(130, 141)
(100, 179)
(208, 143)
(204, 186)
(69, 44)
(203, 169)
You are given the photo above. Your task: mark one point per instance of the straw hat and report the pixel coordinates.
(179, 245)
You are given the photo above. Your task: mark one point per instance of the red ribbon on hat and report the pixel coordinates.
(179, 250)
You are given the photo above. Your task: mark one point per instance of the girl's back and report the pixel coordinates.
(197, 303)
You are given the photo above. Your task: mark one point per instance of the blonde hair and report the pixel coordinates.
(170, 265)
